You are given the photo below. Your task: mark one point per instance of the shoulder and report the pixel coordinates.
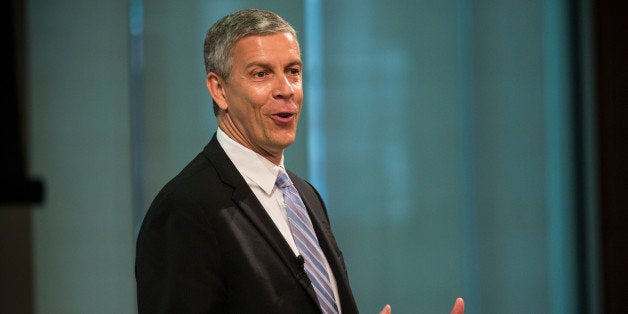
(307, 190)
(300, 183)
(193, 193)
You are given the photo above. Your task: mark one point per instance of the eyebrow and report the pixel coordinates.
(296, 62)
(266, 65)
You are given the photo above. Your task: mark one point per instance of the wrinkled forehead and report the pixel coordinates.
(288, 41)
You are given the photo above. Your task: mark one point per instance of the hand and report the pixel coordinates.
(458, 308)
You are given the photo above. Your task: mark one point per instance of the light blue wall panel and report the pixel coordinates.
(79, 144)
(511, 156)
(393, 151)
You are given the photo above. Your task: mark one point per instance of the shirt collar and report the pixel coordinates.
(251, 165)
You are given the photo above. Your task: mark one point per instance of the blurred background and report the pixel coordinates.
(463, 148)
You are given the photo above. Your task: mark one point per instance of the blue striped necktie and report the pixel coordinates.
(307, 243)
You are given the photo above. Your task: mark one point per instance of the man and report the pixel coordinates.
(221, 236)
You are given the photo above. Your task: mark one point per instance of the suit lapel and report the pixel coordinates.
(245, 199)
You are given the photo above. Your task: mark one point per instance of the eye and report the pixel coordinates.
(295, 71)
(260, 74)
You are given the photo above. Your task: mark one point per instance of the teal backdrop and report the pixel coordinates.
(440, 134)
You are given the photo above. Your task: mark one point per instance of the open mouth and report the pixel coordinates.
(284, 117)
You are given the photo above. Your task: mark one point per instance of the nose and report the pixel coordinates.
(283, 89)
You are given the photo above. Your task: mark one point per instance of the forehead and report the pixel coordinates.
(283, 44)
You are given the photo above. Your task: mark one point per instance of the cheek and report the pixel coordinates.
(248, 104)
(298, 94)
(260, 90)
(299, 101)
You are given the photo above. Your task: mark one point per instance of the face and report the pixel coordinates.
(261, 101)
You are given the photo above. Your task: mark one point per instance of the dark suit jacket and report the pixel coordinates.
(208, 246)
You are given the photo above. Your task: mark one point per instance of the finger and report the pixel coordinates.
(458, 307)
(386, 310)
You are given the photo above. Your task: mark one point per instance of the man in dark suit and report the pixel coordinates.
(217, 237)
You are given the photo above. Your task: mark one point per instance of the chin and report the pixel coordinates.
(285, 141)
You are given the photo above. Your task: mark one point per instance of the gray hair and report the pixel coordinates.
(224, 34)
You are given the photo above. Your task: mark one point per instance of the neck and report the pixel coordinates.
(237, 137)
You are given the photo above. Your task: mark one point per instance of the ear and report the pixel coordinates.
(215, 86)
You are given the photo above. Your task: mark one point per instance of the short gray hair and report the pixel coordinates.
(224, 34)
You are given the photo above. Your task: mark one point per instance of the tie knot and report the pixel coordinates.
(282, 179)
